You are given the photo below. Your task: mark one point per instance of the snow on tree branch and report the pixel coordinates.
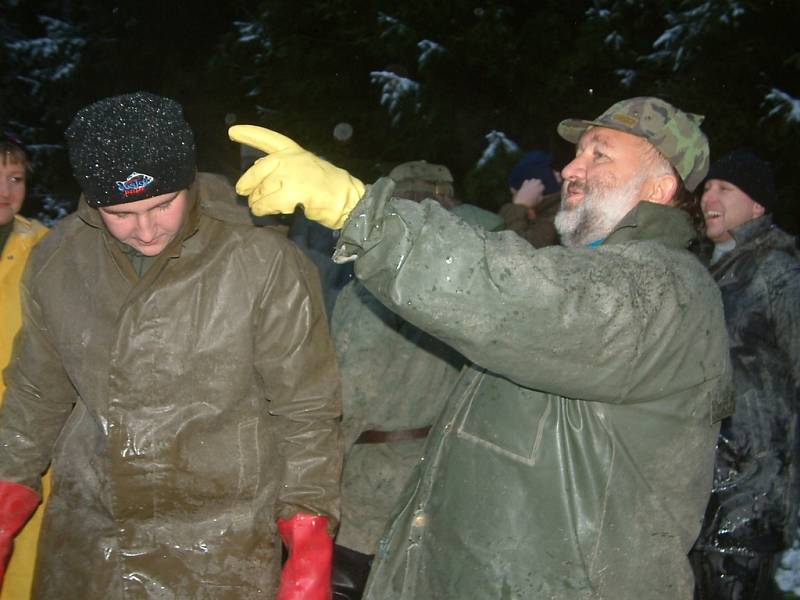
(52, 57)
(252, 32)
(497, 142)
(601, 14)
(614, 40)
(783, 104)
(396, 92)
(427, 49)
(679, 42)
(253, 36)
(626, 76)
(391, 25)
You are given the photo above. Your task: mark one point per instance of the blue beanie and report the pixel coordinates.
(536, 164)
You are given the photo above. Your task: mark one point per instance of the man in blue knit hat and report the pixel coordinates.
(535, 199)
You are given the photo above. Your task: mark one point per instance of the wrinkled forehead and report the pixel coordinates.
(611, 138)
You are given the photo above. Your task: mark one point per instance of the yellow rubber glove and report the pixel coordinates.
(289, 176)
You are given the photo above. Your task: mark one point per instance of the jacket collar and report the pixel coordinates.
(747, 237)
(24, 234)
(22, 225)
(649, 221)
(751, 230)
(5, 232)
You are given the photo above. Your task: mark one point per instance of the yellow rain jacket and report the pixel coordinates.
(17, 582)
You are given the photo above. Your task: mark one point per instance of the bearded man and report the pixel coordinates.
(573, 459)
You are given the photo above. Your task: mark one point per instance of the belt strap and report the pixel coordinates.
(382, 437)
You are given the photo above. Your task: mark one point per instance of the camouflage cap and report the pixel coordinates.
(676, 134)
(422, 176)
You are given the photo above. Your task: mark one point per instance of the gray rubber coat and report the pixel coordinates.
(753, 509)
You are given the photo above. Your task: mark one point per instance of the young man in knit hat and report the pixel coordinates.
(175, 366)
(573, 459)
(18, 236)
(752, 514)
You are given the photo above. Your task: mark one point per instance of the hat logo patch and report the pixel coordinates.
(136, 183)
(624, 119)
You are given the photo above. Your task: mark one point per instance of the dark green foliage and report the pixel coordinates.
(513, 67)
(61, 56)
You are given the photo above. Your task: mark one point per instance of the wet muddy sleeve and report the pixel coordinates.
(38, 399)
(576, 322)
(365, 335)
(297, 364)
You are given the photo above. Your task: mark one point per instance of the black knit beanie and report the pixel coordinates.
(131, 147)
(749, 173)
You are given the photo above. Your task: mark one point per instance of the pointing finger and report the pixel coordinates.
(261, 138)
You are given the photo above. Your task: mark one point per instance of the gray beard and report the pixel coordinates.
(597, 216)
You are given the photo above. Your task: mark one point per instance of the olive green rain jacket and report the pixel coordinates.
(184, 411)
(394, 378)
(573, 460)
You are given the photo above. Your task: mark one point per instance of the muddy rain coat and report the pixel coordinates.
(574, 459)
(753, 509)
(24, 236)
(184, 411)
(394, 378)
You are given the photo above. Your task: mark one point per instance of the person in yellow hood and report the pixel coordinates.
(18, 236)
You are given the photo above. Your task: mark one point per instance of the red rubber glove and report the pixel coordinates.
(307, 572)
(17, 503)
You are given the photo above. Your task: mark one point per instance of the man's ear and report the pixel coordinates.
(758, 210)
(661, 189)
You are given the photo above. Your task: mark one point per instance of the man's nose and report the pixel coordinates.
(145, 227)
(707, 198)
(575, 169)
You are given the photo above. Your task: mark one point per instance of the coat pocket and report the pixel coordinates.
(506, 418)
